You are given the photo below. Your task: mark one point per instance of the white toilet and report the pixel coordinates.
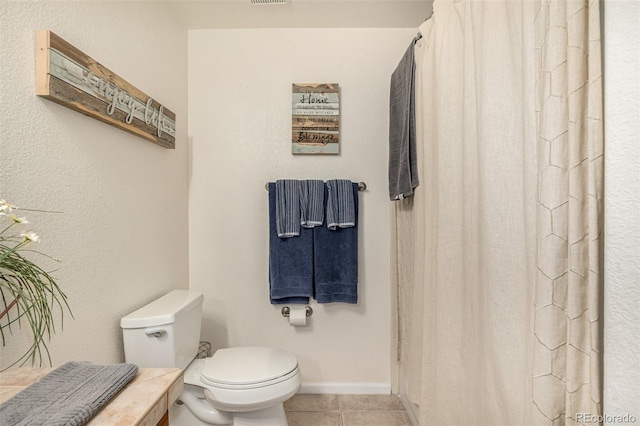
(238, 386)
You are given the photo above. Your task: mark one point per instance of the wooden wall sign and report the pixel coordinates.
(70, 78)
(315, 118)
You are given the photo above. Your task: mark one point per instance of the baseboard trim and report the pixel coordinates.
(346, 388)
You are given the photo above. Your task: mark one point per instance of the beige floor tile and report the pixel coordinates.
(375, 418)
(346, 410)
(314, 418)
(309, 402)
(370, 403)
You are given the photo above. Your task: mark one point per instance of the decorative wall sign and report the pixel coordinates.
(70, 78)
(315, 118)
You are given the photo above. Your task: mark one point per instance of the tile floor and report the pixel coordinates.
(346, 410)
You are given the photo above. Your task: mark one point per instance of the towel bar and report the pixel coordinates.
(285, 311)
(361, 186)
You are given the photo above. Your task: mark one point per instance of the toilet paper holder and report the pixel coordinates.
(286, 310)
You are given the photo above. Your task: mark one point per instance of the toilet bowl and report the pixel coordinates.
(249, 382)
(240, 386)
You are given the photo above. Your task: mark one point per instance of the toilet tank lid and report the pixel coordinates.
(164, 310)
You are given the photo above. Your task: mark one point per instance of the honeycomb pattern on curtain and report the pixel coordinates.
(568, 300)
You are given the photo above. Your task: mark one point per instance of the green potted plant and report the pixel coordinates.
(28, 292)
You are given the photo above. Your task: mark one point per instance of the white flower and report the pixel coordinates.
(17, 219)
(30, 236)
(6, 206)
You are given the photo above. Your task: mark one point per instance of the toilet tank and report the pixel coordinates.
(166, 332)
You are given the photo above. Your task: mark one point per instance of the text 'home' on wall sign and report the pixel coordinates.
(315, 118)
(70, 78)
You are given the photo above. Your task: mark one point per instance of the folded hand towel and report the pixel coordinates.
(70, 395)
(341, 211)
(311, 203)
(288, 208)
(336, 259)
(290, 261)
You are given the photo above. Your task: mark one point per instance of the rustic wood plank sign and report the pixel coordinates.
(315, 118)
(72, 79)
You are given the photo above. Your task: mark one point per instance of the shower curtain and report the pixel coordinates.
(498, 252)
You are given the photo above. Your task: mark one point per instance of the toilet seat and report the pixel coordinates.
(228, 386)
(248, 367)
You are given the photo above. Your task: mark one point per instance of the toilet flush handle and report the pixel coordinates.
(155, 332)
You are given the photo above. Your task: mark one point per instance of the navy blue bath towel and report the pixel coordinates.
(336, 260)
(290, 261)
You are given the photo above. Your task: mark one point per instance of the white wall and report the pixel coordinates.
(240, 131)
(622, 208)
(123, 237)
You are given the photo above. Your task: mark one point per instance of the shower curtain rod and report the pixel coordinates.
(361, 186)
(419, 35)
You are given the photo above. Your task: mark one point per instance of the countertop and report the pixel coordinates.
(144, 401)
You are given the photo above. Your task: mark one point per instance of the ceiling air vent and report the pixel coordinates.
(269, 1)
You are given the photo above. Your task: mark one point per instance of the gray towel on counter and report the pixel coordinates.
(403, 169)
(70, 395)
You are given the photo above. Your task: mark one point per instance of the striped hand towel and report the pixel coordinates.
(311, 203)
(288, 208)
(341, 210)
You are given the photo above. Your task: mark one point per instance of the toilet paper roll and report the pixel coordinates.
(298, 316)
